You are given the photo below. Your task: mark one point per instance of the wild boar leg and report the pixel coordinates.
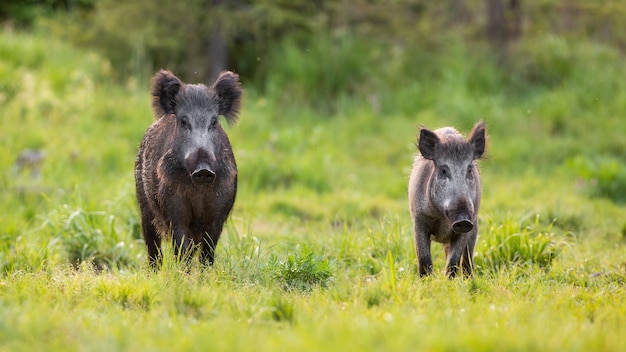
(422, 248)
(150, 235)
(467, 258)
(153, 242)
(182, 243)
(209, 243)
(457, 246)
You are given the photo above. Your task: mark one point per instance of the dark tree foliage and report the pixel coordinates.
(23, 13)
(198, 38)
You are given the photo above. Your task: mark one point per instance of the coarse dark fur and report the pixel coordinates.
(185, 171)
(444, 196)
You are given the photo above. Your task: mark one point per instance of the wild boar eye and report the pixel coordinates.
(213, 123)
(443, 172)
(470, 168)
(184, 122)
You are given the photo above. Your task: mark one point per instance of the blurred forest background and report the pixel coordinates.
(345, 47)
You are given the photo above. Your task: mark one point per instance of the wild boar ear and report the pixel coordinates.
(478, 139)
(165, 86)
(228, 90)
(427, 143)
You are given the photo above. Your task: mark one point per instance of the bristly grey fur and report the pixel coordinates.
(444, 196)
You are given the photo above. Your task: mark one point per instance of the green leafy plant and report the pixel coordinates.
(512, 244)
(303, 270)
(91, 237)
(282, 309)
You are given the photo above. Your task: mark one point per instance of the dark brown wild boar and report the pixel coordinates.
(444, 196)
(185, 171)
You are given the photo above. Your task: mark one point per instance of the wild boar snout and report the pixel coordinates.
(199, 166)
(461, 217)
(203, 175)
(462, 226)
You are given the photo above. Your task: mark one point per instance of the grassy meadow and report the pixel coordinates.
(318, 253)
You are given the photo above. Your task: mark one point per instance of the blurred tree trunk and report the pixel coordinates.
(569, 15)
(218, 54)
(460, 13)
(503, 24)
(516, 18)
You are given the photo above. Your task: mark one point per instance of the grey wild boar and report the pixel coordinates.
(185, 171)
(444, 196)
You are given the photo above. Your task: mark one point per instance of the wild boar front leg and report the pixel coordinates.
(209, 243)
(422, 249)
(467, 258)
(182, 243)
(457, 246)
(150, 236)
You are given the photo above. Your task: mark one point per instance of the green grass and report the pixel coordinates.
(318, 253)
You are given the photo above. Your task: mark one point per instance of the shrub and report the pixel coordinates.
(511, 244)
(320, 72)
(91, 237)
(545, 61)
(602, 176)
(302, 270)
